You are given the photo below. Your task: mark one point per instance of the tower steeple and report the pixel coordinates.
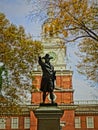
(47, 27)
(50, 11)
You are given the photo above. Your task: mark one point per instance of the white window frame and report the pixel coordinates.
(90, 121)
(2, 123)
(26, 122)
(14, 122)
(77, 122)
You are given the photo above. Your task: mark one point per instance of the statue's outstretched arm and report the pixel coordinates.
(41, 63)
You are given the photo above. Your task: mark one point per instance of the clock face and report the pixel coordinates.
(53, 54)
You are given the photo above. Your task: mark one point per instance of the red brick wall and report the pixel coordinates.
(8, 124)
(96, 122)
(68, 117)
(37, 81)
(33, 121)
(61, 97)
(64, 81)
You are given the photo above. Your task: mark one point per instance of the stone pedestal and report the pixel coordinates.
(48, 117)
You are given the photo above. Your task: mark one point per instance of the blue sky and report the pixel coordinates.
(17, 12)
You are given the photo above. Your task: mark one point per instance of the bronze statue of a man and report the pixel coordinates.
(48, 77)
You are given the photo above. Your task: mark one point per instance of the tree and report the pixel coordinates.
(18, 53)
(76, 17)
(88, 64)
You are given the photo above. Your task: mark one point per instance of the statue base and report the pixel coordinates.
(48, 116)
(48, 104)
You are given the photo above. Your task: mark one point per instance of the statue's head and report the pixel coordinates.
(47, 57)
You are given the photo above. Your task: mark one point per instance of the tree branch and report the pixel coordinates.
(72, 40)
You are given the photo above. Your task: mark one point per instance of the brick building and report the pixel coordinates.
(80, 115)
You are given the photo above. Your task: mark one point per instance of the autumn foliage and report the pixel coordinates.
(18, 53)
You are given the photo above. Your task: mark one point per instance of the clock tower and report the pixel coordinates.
(53, 45)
